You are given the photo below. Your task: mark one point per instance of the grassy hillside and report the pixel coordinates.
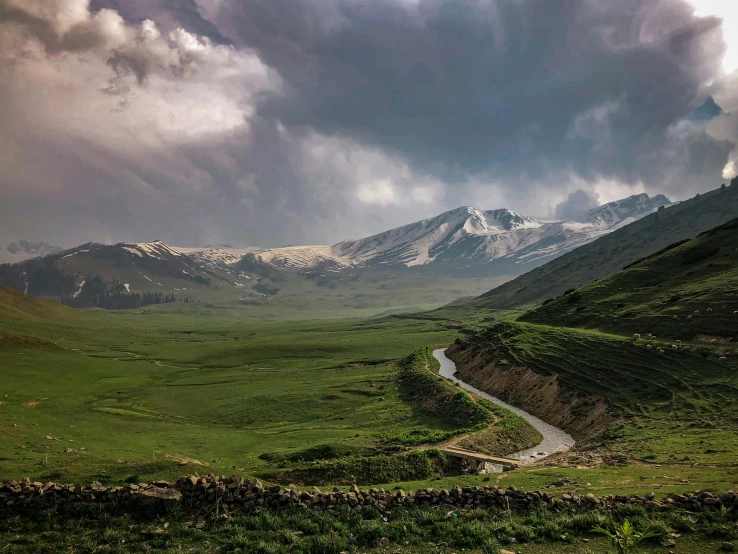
(674, 395)
(676, 407)
(616, 250)
(661, 294)
(16, 306)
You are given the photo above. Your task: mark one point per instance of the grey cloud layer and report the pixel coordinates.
(523, 89)
(294, 121)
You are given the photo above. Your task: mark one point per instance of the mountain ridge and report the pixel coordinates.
(464, 242)
(458, 239)
(614, 251)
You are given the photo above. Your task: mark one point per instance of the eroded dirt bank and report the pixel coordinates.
(584, 417)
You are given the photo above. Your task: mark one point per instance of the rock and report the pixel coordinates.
(668, 543)
(164, 497)
(68, 450)
(383, 543)
(727, 547)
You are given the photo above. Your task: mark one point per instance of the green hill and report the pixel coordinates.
(670, 398)
(616, 250)
(662, 293)
(16, 306)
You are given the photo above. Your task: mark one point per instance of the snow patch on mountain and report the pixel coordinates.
(466, 235)
(82, 284)
(217, 255)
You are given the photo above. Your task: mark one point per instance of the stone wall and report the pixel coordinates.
(219, 495)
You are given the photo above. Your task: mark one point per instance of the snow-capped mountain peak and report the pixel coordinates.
(624, 211)
(465, 237)
(156, 249)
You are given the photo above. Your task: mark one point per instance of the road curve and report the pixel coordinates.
(554, 439)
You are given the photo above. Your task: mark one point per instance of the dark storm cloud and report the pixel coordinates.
(518, 88)
(310, 121)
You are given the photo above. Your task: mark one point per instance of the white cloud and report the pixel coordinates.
(378, 193)
(727, 10)
(157, 90)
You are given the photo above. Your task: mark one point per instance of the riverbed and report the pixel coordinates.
(554, 439)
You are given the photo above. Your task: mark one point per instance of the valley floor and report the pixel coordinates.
(123, 397)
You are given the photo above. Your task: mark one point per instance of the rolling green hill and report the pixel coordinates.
(670, 395)
(15, 305)
(687, 292)
(613, 252)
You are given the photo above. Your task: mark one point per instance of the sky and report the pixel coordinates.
(269, 123)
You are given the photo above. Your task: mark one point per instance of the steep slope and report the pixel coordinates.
(461, 242)
(610, 253)
(687, 291)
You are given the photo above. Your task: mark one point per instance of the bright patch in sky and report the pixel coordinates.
(727, 10)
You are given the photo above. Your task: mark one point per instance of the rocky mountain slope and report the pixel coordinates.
(611, 253)
(94, 270)
(461, 242)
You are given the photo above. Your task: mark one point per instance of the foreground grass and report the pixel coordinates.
(424, 530)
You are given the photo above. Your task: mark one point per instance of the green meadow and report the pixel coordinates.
(146, 395)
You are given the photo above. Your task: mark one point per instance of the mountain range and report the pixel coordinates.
(461, 242)
(465, 242)
(122, 269)
(612, 252)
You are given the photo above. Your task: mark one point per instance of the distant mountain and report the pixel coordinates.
(611, 253)
(460, 242)
(81, 276)
(220, 256)
(700, 117)
(707, 111)
(20, 250)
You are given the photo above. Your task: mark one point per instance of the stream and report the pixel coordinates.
(554, 439)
